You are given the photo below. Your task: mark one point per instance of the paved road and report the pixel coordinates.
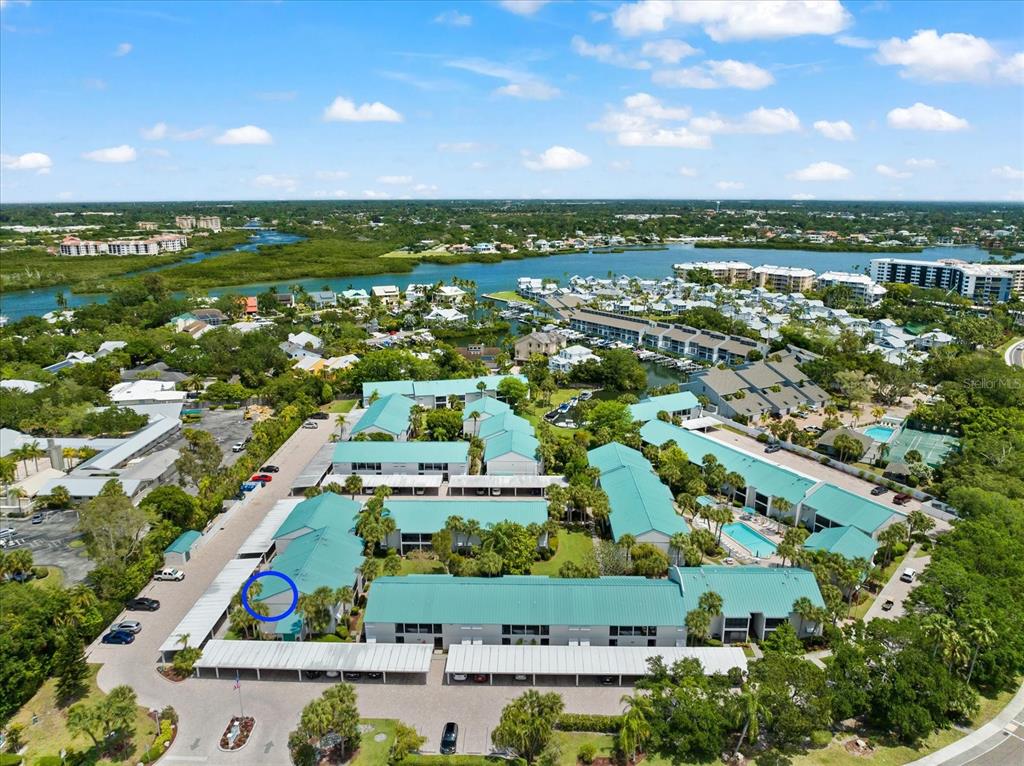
(896, 589)
(1014, 356)
(50, 541)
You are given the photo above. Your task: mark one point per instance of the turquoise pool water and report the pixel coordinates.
(750, 538)
(880, 433)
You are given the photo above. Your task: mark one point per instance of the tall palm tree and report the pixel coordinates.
(980, 635)
(711, 603)
(805, 610)
(937, 628)
(750, 710)
(678, 543)
(635, 727)
(315, 608)
(698, 625)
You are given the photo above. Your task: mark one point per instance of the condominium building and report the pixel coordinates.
(148, 225)
(784, 279)
(76, 246)
(209, 222)
(861, 286)
(725, 272)
(185, 222)
(162, 243)
(983, 283)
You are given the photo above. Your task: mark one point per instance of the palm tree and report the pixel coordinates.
(634, 728)
(346, 597)
(805, 610)
(937, 628)
(315, 609)
(698, 624)
(678, 543)
(782, 506)
(711, 603)
(750, 709)
(981, 636)
(34, 451)
(18, 494)
(627, 542)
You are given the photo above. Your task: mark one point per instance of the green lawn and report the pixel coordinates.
(343, 406)
(572, 546)
(1012, 341)
(52, 581)
(49, 734)
(371, 752)
(535, 412)
(509, 295)
(421, 566)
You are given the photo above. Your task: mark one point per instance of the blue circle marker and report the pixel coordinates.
(270, 573)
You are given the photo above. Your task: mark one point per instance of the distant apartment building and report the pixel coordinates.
(546, 343)
(724, 272)
(162, 243)
(185, 222)
(784, 279)
(861, 286)
(980, 282)
(148, 225)
(211, 222)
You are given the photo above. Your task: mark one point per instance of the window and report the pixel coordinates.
(633, 630)
(432, 467)
(736, 622)
(774, 622)
(366, 467)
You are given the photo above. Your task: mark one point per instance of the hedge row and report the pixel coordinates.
(603, 724)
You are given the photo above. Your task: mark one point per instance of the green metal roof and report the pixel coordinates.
(648, 409)
(614, 455)
(525, 600)
(845, 509)
(506, 421)
(326, 510)
(390, 414)
(769, 479)
(184, 542)
(326, 556)
(749, 590)
(511, 441)
(486, 405)
(848, 542)
(401, 452)
(639, 503)
(429, 516)
(448, 387)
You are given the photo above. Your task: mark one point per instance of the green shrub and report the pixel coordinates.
(160, 746)
(602, 724)
(763, 438)
(40, 572)
(821, 738)
(586, 753)
(48, 760)
(553, 542)
(330, 638)
(10, 759)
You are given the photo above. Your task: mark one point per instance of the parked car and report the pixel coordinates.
(459, 677)
(269, 469)
(311, 674)
(170, 574)
(118, 637)
(449, 738)
(909, 575)
(238, 446)
(142, 605)
(772, 448)
(38, 518)
(319, 416)
(879, 490)
(266, 478)
(888, 605)
(310, 424)
(607, 680)
(902, 498)
(352, 675)
(479, 678)
(128, 626)
(521, 677)
(249, 486)
(375, 676)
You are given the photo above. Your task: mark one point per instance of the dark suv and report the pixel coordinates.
(449, 738)
(142, 605)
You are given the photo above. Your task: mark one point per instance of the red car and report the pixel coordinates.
(902, 499)
(264, 477)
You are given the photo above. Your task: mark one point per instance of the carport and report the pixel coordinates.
(398, 483)
(315, 470)
(514, 484)
(581, 661)
(304, 656)
(259, 543)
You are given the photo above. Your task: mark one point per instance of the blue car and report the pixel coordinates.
(118, 637)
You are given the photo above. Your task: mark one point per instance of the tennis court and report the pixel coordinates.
(933, 447)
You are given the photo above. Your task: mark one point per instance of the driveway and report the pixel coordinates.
(50, 544)
(202, 718)
(896, 589)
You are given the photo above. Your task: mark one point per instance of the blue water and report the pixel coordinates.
(880, 433)
(491, 277)
(749, 538)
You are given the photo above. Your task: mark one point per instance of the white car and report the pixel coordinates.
(310, 424)
(171, 574)
(909, 575)
(238, 446)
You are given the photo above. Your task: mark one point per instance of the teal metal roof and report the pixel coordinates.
(184, 542)
(390, 414)
(324, 557)
(614, 455)
(401, 452)
(525, 600)
(326, 510)
(639, 503)
(845, 509)
(506, 421)
(486, 405)
(516, 442)
(448, 387)
(706, 502)
(848, 542)
(749, 590)
(769, 478)
(648, 409)
(429, 516)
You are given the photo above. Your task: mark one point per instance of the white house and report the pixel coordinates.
(445, 315)
(306, 340)
(569, 357)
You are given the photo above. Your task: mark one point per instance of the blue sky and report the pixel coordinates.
(293, 100)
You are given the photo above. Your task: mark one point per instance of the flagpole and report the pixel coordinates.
(238, 685)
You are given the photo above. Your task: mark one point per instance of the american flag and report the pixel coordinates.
(238, 681)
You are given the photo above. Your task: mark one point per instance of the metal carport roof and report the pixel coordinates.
(394, 480)
(505, 481)
(583, 660)
(259, 542)
(315, 655)
(204, 615)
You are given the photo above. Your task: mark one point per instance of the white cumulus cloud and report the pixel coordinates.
(725, 20)
(331, 175)
(924, 117)
(37, 161)
(923, 163)
(801, 197)
(952, 57)
(821, 171)
(372, 194)
(606, 54)
(113, 154)
(247, 134)
(523, 7)
(646, 121)
(394, 180)
(155, 133)
(453, 19)
(729, 185)
(1005, 172)
(123, 49)
(761, 120)
(519, 83)
(558, 158)
(716, 74)
(272, 181)
(1013, 68)
(668, 51)
(459, 147)
(424, 188)
(840, 130)
(688, 172)
(345, 110)
(888, 172)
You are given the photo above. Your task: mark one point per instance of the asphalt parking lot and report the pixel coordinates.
(50, 543)
(226, 426)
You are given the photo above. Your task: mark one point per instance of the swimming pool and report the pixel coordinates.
(880, 433)
(750, 538)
